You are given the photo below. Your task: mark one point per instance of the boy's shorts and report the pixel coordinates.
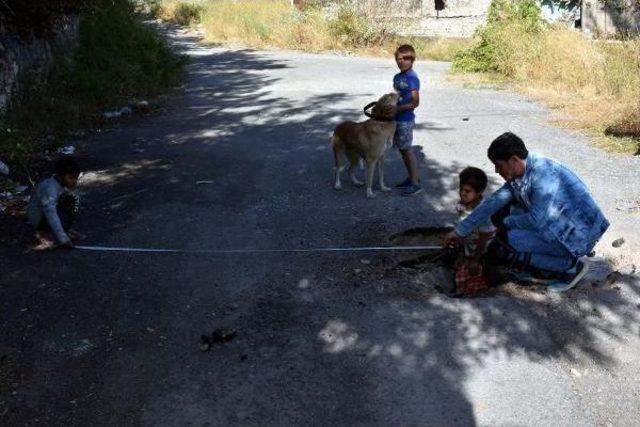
(403, 138)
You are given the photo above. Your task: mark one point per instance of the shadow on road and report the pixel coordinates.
(326, 344)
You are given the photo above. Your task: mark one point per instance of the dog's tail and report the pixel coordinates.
(336, 144)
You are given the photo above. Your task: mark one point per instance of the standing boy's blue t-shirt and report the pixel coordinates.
(404, 84)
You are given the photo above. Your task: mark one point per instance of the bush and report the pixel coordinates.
(351, 28)
(511, 25)
(117, 58)
(187, 14)
(596, 82)
(135, 62)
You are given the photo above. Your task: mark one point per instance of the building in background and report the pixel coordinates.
(611, 17)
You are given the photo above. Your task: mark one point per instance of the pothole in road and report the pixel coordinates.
(421, 236)
(428, 265)
(429, 271)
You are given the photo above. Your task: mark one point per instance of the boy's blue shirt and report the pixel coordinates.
(404, 83)
(551, 200)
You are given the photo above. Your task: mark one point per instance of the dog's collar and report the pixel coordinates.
(380, 119)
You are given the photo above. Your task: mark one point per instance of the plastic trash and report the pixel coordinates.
(67, 151)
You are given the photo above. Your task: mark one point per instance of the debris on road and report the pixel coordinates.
(68, 150)
(114, 114)
(223, 335)
(4, 169)
(14, 202)
(204, 182)
(85, 346)
(218, 336)
(141, 106)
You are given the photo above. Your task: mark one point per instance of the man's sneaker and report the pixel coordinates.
(579, 271)
(412, 190)
(404, 184)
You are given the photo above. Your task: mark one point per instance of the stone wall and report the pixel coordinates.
(459, 18)
(32, 57)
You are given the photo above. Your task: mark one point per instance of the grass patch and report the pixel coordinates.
(264, 24)
(117, 58)
(597, 83)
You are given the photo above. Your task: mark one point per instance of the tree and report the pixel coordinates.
(561, 4)
(571, 4)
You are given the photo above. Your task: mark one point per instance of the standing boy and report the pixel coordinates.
(407, 84)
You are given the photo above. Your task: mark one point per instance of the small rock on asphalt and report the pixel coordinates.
(218, 336)
(618, 242)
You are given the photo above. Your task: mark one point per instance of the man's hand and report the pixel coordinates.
(451, 239)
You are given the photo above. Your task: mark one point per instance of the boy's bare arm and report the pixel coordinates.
(415, 101)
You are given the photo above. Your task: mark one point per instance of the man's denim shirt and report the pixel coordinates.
(551, 200)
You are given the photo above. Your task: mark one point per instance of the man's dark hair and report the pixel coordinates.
(474, 178)
(506, 145)
(67, 165)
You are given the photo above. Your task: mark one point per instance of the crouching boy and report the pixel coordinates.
(54, 207)
(469, 276)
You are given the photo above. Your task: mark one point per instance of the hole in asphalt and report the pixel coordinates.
(420, 236)
(428, 265)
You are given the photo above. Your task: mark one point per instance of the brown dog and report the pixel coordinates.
(366, 140)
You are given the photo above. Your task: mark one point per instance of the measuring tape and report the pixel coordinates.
(257, 251)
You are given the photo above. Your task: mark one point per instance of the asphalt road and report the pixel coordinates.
(322, 339)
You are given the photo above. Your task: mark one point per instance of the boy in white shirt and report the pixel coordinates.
(54, 207)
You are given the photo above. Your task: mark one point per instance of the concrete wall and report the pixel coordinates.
(33, 57)
(609, 19)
